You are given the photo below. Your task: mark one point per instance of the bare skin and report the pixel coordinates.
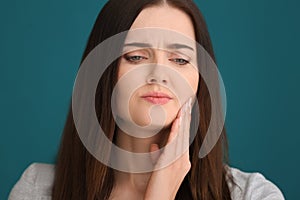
(159, 184)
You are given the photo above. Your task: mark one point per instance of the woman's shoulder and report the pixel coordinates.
(37, 180)
(252, 185)
(35, 183)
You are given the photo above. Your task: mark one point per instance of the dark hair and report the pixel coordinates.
(78, 175)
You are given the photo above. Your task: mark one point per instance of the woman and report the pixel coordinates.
(79, 175)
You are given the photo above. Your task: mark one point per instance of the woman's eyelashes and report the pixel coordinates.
(135, 59)
(179, 61)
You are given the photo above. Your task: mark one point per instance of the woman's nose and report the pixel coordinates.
(156, 79)
(158, 72)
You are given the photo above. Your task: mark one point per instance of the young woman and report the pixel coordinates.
(78, 174)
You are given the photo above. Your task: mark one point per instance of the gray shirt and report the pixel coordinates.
(36, 184)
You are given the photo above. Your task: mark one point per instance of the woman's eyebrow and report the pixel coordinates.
(170, 46)
(138, 44)
(180, 46)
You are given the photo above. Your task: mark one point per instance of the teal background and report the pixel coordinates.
(257, 48)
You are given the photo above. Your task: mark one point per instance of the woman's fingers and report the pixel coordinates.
(165, 182)
(182, 140)
(174, 130)
(186, 123)
(178, 140)
(179, 120)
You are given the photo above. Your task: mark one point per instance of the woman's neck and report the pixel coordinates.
(136, 182)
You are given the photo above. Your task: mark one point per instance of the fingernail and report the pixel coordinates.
(180, 112)
(190, 105)
(186, 106)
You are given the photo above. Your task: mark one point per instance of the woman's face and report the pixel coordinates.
(155, 89)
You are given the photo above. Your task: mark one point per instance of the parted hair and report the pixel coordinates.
(78, 175)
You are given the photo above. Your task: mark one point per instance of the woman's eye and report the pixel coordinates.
(180, 61)
(134, 58)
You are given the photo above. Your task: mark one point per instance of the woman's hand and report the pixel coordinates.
(164, 183)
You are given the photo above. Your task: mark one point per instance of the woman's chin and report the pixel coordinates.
(147, 123)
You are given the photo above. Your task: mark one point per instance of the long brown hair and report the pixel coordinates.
(78, 175)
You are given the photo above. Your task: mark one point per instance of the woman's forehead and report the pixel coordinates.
(165, 17)
(159, 38)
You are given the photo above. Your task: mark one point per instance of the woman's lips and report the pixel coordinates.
(157, 98)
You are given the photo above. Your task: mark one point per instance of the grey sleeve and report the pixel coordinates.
(254, 186)
(34, 184)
